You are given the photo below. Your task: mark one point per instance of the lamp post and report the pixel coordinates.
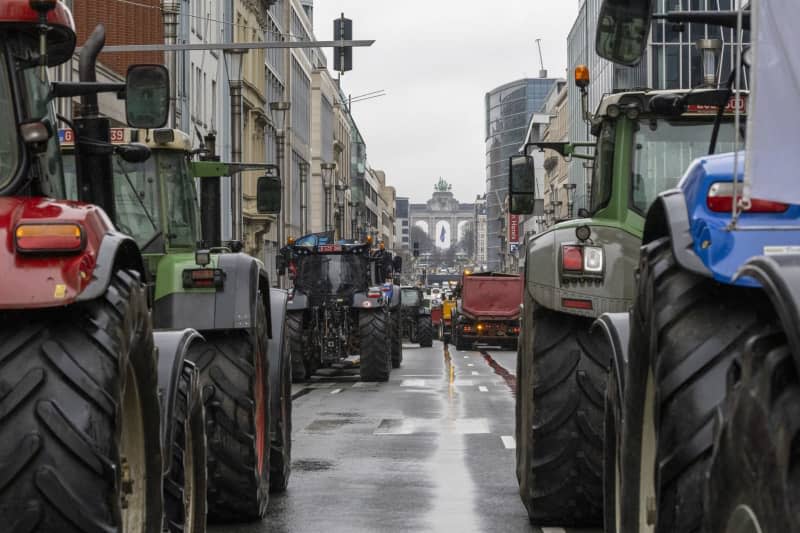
(710, 50)
(234, 61)
(340, 190)
(327, 177)
(278, 111)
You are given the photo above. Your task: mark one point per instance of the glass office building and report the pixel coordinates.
(508, 111)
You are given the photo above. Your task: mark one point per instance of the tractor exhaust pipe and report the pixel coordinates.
(87, 69)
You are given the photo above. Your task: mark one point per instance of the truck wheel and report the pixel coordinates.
(280, 462)
(396, 340)
(185, 487)
(297, 345)
(460, 343)
(80, 436)
(425, 331)
(751, 483)
(689, 330)
(234, 374)
(375, 357)
(562, 387)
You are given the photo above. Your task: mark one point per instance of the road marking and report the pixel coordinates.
(470, 364)
(553, 530)
(483, 389)
(475, 373)
(336, 391)
(358, 384)
(422, 426)
(466, 357)
(412, 383)
(509, 443)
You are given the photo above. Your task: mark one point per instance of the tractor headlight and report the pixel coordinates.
(592, 259)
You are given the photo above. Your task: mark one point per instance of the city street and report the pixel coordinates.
(431, 450)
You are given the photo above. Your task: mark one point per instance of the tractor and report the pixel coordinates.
(416, 322)
(578, 269)
(103, 426)
(337, 308)
(703, 393)
(198, 282)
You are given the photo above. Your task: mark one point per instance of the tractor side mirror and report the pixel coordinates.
(133, 152)
(622, 30)
(397, 263)
(268, 195)
(522, 185)
(280, 264)
(147, 96)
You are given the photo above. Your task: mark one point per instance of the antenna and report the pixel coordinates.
(543, 71)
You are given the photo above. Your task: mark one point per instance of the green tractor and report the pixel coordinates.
(579, 269)
(415, 318)
(198, 282)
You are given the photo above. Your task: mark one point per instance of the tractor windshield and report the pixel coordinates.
(664, 149)
(181, 207)
(331, 274)
(409, 297)
(9, 140)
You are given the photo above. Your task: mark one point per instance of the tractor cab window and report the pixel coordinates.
(603, 175)
(663, 150)
(409, 298)
(136, 197)
(331, 274)
(9, 140)
(181, 209)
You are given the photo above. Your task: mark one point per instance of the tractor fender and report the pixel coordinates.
(172, 347)
(299, 302)
(117, 252)
(779, 276)
(361, 301)
(275, 352)
(615, 329)
(669, 217)
(394, 302)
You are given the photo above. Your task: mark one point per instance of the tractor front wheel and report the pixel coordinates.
(80, 436)
(425, 331)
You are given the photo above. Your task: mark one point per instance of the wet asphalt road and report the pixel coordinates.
(431, 450)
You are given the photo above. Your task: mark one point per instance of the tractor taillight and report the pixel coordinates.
(572, 258)
(720, 200)
(203, 278)
(49, 238)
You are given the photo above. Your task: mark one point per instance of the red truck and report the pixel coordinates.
(488, 311)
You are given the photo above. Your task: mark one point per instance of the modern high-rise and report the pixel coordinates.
(508, 112)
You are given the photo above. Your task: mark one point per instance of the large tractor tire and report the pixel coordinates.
(425, 331)
(298, 345)
(235, 377)
(79, 434)
(752, 485)
(686, 332)
(376, 361)
(396, 327)
(561, 384)
(281, 454)
(185, 487)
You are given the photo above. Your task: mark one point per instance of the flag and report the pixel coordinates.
(443, 234)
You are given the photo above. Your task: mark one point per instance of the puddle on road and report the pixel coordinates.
(343, 415)
(312, 465)
(428, 426)
(320, 426)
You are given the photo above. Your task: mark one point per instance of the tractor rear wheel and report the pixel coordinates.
(235, 377)
(757, 427)
(375, 354)
(185, 488)
(425, 331)
(561, 387)
(298, 345)
(80, 437)
(280, 462)
(689, 330)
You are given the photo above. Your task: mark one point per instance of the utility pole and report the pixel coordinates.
(171, 11)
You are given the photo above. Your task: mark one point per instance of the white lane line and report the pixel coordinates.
(553, 530)
(466, 357)
(336, 391)
(358, 384)
(475, 373)
(509, 443)
(483, 389)
(470, 364)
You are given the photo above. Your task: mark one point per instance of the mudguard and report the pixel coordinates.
(669, 216)
(779, 276)
(232, 307)
(615, 329)
(172, 363)
(117, 251)
(299, 302)
(275, 353)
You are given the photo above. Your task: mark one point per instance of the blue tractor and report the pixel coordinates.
(702, 410)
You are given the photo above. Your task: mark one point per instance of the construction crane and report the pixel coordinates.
(542, 71)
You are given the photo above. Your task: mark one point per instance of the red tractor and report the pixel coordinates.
(101, 427)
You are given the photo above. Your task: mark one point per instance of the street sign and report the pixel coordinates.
(513, 229)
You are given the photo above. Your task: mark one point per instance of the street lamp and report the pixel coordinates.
(340, 190)
(234, 59)
(278, 111)
(710, 50)
(327, 177)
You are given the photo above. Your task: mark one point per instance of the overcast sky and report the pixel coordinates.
(436, 59)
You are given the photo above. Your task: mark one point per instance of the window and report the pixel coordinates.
(9, 141)
(213, 105)
(603, 175)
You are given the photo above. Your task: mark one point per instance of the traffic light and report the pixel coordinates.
(342, 55)
(416, 249)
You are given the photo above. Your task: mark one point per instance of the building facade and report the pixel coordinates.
(559, 196)
(402, 225)
(508, 112)
(481, 233)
